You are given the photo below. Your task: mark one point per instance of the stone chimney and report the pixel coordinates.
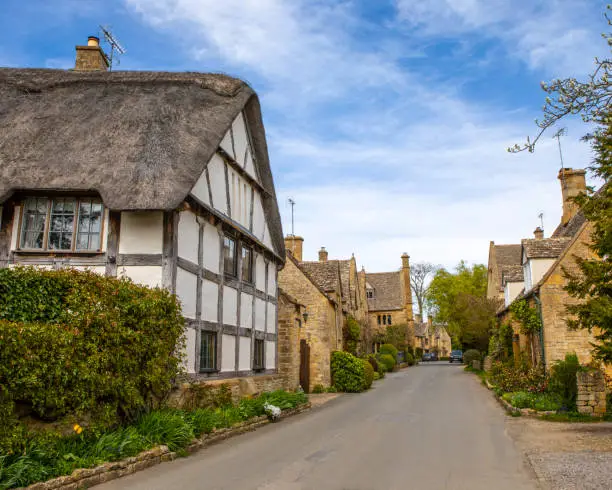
(406, 286)
(573, 183)
(294, 244)
(538, 233)
(91, 57)
(323, 255)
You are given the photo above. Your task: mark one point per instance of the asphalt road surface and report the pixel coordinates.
(427, 427)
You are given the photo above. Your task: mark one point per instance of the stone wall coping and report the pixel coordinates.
(82, 478)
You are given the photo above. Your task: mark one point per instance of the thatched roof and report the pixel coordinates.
(387, 291)
(140, 139)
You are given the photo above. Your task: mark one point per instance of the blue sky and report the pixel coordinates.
(387, 121)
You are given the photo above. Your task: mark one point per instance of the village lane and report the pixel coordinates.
(430, 426)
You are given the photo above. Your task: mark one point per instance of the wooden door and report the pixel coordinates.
(305, 366)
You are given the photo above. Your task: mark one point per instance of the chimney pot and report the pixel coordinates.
(538, 233)
(323, 255)
(573, 183)
(93, 41)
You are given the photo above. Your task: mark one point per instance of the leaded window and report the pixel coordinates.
(208, 351)
(247, 264)
(258, 355)
(61, 224)
(229, 256)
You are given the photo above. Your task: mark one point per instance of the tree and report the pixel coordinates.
(592, 100)
(419, 273)
(459, 300)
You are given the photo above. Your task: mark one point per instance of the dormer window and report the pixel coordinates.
(62, 224)
(370, 293)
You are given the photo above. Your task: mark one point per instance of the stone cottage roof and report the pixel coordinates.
(512, 273)
(325, 274)
(547, 248)
(571, 228)
(506, 255)
(387, 291)
(140, 139)
(307, 275)
(420, 329)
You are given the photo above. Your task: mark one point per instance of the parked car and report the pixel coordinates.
(456, 355)
(426, 357)
(433, 356)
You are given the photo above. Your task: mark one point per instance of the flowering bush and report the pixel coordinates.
(509, 378)
(272, 411)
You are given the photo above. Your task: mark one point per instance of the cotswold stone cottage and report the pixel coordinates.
(389, 297)
(160, 177)
(541, 281)
(431, 337)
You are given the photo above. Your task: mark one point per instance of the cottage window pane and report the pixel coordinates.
(33, 226)
(208, 351)
(62, 223)
(90, 219)
(247, 264)
(258, 359)
(229, 256)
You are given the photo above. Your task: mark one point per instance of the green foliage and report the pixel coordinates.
(471, 355)
(348, 372)
(409, 359)
(369, 375)
(459, 300)
(376, 376)
(563, 380)
(508, 378)
(396, 335)
(500, 343)
(387, 360)
(42, 456)
(352, 335)
(388, 349)
(76, 342)
(371, 358)
(418, 353)
(527, 316)
(543, 402)
(319, 388)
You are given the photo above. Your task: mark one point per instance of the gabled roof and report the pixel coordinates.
(387, 291)
(308, 276)
(506, 255)
(546, 248)
(140, 139)
(326, 274)
(571, 228)
(421, 330)
(512, 273)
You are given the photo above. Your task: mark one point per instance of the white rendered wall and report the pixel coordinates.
(240, 198)
(190, 346)
(186, 291)
(539, 267)
(267, 240)
(244, 363)
(241, 141)
(147, 275)
(270, 355)
(272, 279)
(260, 272)
(141, 232)
(246, 310)
(271, 321)
(216, 171)
(260, 314)
(230, 306)
(228, 349)
(259, 220)
(188, 236)
(227, 145)
(200, 190)
(511, 291)
(210, 300)
(211, 249)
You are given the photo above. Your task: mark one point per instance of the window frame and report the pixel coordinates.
(250, 279)
(256, 352)
(234, 273)
(50, 200)
(214, 336)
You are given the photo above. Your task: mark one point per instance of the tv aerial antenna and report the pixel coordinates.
(292, 204)
(557, 136)
(541, 216)
(115, 46)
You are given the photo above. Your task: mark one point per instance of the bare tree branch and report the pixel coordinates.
(419, 275)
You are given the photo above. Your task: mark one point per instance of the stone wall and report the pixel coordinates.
(591, 398)
(289, 326)
(319, 330)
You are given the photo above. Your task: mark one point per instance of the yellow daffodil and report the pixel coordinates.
(77, 428)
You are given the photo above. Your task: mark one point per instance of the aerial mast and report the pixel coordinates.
(115, 46)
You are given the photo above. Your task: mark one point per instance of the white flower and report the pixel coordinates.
(273, 411)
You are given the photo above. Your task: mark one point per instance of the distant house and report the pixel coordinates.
(160, 177)
(389, 297)
(541, 281)
(431, 337)
(501, 258)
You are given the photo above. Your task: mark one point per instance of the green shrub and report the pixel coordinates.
(418, 353)
(371, 358)
(387, 360)
(318, 389)
(388, 349)
(369, 375)
(376, 376)
(78, 342)
(348, 372)
(471, 355)
(409, 359)
(563, 380)
(510, 378)
(537, 401)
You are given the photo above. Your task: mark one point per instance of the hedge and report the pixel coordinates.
(471, 355)
(349, 372)
(387, 360)
(78, 342)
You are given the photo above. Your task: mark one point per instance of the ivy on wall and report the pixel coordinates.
(527, 316)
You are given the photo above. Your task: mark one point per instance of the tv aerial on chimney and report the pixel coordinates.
(115, 46)
(557, 136)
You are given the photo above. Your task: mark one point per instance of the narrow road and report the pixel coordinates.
(430, 426)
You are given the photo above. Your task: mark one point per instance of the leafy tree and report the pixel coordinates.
(592, 100)
(459, 300)
(419, 274)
